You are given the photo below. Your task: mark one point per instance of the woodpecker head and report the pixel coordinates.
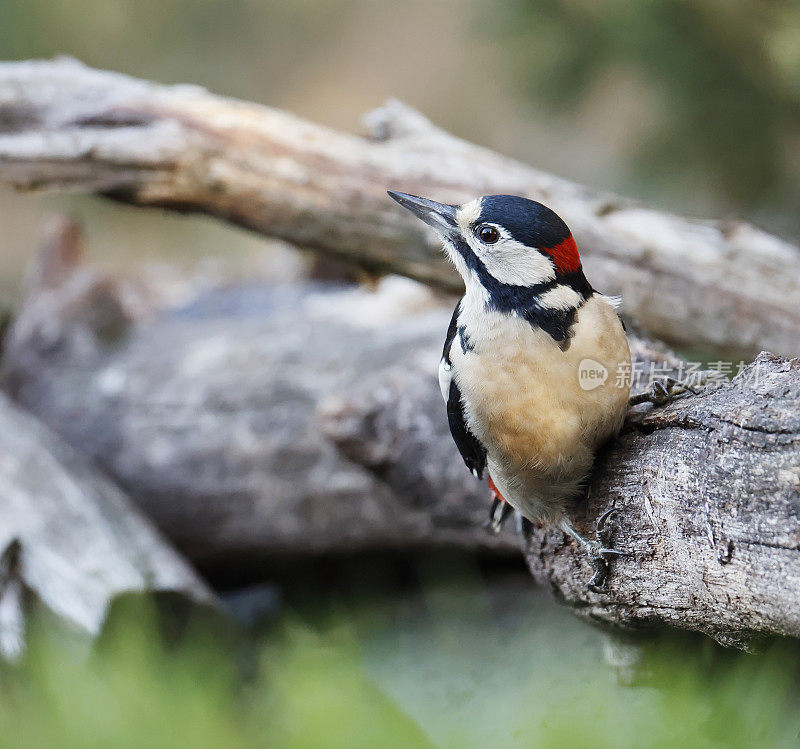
(518, 253)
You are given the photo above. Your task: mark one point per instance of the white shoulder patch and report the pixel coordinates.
(445, 376)
(561, 297)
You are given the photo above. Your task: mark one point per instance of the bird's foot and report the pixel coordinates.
(599, 550)
(661, 393)
(500, 510)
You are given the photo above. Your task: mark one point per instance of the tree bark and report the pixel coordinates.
(65, 126)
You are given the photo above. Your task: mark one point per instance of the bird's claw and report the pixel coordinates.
(601, 552)
(662, 392)
(600, 530)
(598, 580)
(600, 561)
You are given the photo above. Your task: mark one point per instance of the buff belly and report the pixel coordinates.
(540, 411)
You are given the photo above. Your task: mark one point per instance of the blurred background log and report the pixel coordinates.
(206, 413)
(725, 285)
(69, 538)
(255, 422)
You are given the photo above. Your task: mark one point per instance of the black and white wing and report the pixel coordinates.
(472, 450)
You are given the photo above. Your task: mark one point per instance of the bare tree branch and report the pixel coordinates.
(64, 126)
(206, 414)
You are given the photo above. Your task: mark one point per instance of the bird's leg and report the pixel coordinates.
(524, 527)
(499, 513)
(600, 550)
(500, 509)
(661, 393)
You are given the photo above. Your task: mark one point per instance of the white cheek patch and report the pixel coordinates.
(512, 262)
(507, 260)
(561, 297)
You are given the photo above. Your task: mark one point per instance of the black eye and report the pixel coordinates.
(487, 234)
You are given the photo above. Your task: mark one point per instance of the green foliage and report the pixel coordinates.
(460, 665)
(721, 81)
(141, 688)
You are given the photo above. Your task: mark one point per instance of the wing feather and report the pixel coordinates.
(472, 450)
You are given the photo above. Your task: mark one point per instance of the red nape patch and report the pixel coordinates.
(565, 255)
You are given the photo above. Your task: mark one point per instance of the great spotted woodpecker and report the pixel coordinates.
(531, 365)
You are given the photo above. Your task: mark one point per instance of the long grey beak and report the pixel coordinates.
(440, 216)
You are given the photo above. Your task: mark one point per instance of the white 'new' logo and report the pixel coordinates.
(591, 374)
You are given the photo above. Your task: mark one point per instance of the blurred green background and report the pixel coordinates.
(690, 106)
(464, 661)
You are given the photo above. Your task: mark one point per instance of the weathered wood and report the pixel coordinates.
(206, 414)
(66, 126)
(220, 418)
(70, 538)
(707, 492)
(708, 498)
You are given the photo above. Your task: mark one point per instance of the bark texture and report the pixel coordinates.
(69, 537)
(708, 498)
(64, 126)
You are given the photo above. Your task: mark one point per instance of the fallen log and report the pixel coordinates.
(64, 126)
(257, 421)
(69, 538)
(205, 413)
